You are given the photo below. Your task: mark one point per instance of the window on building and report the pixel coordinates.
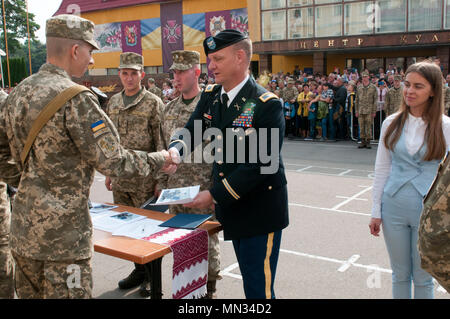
(274, 25)
(151, 69)
(359, 18)
(424, 15)
(112, 71)
(326, 1)
(391, 16)
(328, 21)
(300, 23)
(298, 3)
(273, 4)
(447, 15)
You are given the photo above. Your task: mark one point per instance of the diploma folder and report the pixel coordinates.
(187, 221)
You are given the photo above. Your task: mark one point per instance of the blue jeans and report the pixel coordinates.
(312, 127)
(323, 123)
(331, 123)
(401, 216)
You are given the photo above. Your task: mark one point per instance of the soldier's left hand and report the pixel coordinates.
(203, 200)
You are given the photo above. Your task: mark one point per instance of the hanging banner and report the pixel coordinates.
(194, 29)
(108, 37)
(131, 37)
(171, 31)
(239, 20)
(217, 21)
(151, 34)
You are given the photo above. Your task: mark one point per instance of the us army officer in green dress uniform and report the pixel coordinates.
(51, 228)
(250, 202)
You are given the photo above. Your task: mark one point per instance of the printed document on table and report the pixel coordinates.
(175, 196)
(100, 208)
(139, 229)
(114, 220)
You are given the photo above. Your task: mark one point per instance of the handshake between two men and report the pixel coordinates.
(203, 199)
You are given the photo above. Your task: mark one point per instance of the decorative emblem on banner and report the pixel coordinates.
(172, 31)
(216, 24)
(131, 35)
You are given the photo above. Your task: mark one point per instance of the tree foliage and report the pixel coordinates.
(16, 25)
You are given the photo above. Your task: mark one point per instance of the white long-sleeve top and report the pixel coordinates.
(414, 131)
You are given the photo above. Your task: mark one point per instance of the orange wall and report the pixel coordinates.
(287, 63)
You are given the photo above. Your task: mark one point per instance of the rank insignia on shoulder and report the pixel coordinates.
(267, 96)
(210, 88)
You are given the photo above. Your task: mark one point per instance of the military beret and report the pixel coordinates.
(184, 60)
(222, 40)
(69, 26)
(131, 60)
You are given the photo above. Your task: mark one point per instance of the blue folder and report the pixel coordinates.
(187, 221)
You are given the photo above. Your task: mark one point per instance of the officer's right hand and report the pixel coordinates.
(172, 159)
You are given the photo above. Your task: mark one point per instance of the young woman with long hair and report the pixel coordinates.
(412, 143)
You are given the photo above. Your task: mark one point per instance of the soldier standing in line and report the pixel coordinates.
(434, 227)
(186, 69)
(6, 260)
(394, 96)
(154, 89)
(289, 95)
(51, 228)
(366, 109)
(137, 115)
(446, 92)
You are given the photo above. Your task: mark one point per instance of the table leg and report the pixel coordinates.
(153, 273)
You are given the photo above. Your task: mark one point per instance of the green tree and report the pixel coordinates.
(38, 55)
(18, 70)
(16, 25)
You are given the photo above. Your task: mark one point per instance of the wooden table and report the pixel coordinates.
(141, 251)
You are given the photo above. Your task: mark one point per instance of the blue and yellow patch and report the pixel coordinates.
(99, 128)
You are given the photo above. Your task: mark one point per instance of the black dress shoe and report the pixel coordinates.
(133, 280)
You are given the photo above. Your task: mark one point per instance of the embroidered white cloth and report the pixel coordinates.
(190, 260)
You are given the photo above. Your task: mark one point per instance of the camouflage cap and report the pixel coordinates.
(184, 60)
(131, 60)
(397, 77)
(290, 81)
(365, 74)
(69, 26)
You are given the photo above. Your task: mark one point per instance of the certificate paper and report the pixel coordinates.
(112, 221)
(174, 196)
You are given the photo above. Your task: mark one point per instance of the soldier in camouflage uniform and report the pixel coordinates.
(434, 227)
(137, 115)
(446, 92)
(154, 89)
(289, 94)
(51, 228)
(186, 68)
(366, 108)
(394, 96)
(6, 260)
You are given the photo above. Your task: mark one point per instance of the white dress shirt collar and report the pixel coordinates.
(234, 91)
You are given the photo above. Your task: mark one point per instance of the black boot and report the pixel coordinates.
(133, 280)
(368, 144)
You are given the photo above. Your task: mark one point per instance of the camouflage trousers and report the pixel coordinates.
(36, 279)
(213, 243)
(6, 271)
(365, 126)
(131, 199)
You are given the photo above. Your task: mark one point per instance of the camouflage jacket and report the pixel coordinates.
(393, 100)
(288, 94)
(434, 227)
(446, 99)
(366, 99)
(176, 115)
(139, 126)
(157, 91)
(50, 218)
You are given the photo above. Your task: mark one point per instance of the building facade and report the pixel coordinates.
(321, 35)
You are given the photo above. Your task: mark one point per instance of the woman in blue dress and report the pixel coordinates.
(412, 143)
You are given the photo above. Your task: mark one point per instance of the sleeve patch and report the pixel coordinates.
(267, 96)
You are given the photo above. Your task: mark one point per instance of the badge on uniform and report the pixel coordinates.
(208, 119)
(246, 117)
(99, 128)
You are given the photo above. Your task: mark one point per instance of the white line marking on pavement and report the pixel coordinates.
(329, 209)
(352, 198)
(363, 199)
(345, 172)
(228, 271)
(348, 263)
(304, 169)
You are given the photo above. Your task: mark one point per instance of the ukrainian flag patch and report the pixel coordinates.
(99, 128)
